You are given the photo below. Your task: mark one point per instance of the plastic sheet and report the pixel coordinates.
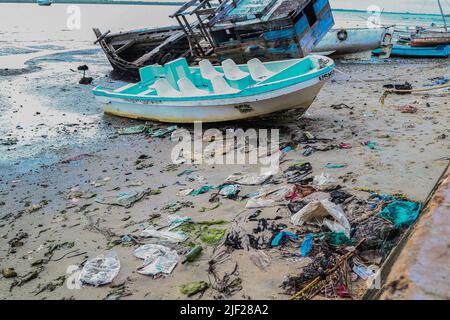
(100, 270)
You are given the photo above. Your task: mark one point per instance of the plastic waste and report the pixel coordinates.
(260, 259)
(132, 130)
(230, 190)
(184, 192)
(337, 239)
(324, 181)
(249, 179)
(268, 198)
(100, 270)
(193, 254)
(201, 190)
(370, 144)
(124, 199)
(193, 287)
(335, 165)
(325, 213)
(306, 246)
(362, 271)
(280, 236)
(157, 259)
(402, 213)
(167, 235)
(159, 133)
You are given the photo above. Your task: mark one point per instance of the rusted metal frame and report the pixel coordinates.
(183, 8)
(186, 33)
(199, 7)
(192, 34)
(223, 10)
(204, 31)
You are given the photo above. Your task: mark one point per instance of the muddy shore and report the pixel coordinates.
(48, 118)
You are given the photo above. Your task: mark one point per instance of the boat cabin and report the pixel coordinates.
(267, 29)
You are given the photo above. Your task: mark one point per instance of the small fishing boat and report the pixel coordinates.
(44, 3)
(356, 42)
(431, 39)
(399, 50)
(178, 93)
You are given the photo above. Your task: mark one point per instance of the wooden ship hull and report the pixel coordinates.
(124, 48)
(237, 29)
(431, 40)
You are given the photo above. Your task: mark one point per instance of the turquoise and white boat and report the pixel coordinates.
(178, 93)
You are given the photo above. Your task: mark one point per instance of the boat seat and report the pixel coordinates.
(207, 70)
(232, 71)
(220, 86)
(164, 89)
(177, 69)
(257, 70)
(188, 89)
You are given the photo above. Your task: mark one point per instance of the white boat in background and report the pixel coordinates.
(356, 43)
(178, 93)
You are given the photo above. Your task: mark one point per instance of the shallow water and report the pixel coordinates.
(43, 110)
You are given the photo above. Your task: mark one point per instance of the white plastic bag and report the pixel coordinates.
(268, 198)
(323, 212)
(249, 179)
(167, 235)
(100, 270)
(157, 259)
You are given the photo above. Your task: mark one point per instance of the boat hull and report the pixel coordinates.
(421, 52)
(430, 42)
(354, 42)
(299, 96)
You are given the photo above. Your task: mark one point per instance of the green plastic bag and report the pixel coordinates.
(402, 213)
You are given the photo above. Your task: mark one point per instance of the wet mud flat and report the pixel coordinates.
(60, 181)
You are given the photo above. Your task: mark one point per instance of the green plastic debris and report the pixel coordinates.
(126, 199)
(401, 213)
(132, 130)
(185, 172)
(337, 239)
(194, 287)
(193, 254)
(309, 135)
(213, 222)
(159, 133)
(205, 209)
(335, 166)
(212, 235)
(204, 231)
(201, 190)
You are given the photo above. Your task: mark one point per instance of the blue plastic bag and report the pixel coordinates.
(277, 240)
(307, 245)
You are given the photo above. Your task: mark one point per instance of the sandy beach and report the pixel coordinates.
(63, 153)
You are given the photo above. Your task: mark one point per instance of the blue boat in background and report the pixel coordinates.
(399, 50)
(44, 3)
(442, 51)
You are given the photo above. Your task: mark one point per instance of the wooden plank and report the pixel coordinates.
(101, 36)
(126, 46)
